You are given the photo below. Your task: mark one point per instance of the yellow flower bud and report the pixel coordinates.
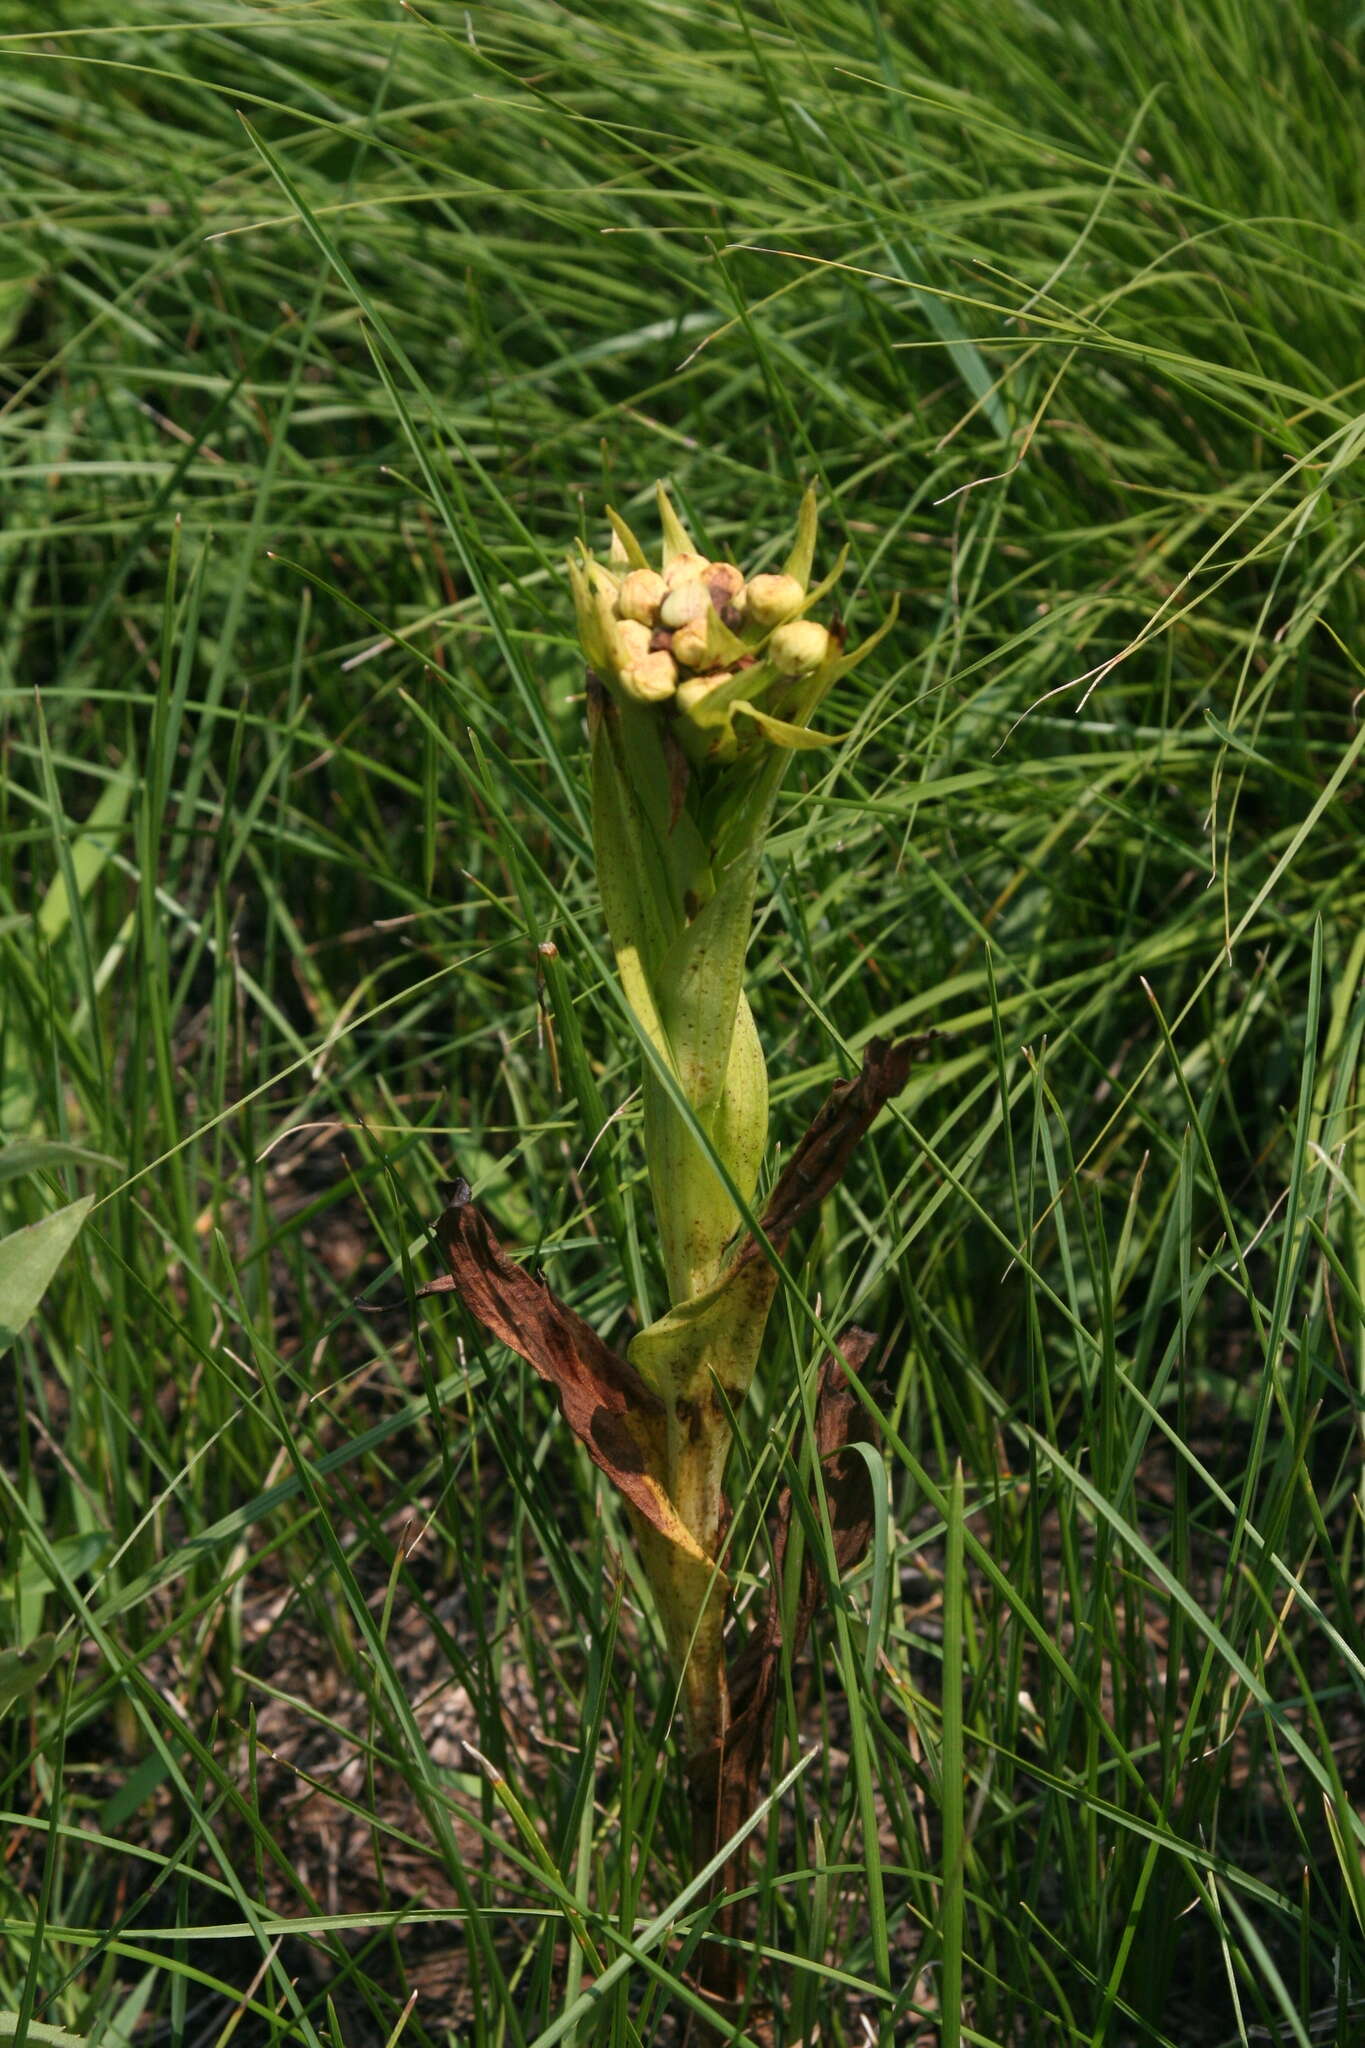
(633, 636)
(772, 599)
(724, 581)
(685, 568)
(684, 604)
(799, 648)
(651, 679)
(694, 692)
(690, 644)
(640, 595)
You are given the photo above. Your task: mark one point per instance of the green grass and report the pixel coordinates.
(327, 327)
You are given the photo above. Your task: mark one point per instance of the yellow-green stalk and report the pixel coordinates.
(701, 686)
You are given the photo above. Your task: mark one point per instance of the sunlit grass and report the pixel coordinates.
(326, 329)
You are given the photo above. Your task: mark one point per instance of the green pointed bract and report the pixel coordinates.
(797, 738)
(722, 647)
(590, 635)
(630, 547)
(677, 540)
(820, 591)
(802, 557)
(705, 726)
(846, 663)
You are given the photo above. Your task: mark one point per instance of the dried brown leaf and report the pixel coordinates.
(605, 1402)
(819, 1162)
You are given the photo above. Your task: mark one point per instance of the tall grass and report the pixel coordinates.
(328, 327)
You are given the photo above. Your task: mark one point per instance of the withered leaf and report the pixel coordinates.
(605, 1402)
(820, 1160)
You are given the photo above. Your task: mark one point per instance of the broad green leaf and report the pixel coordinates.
(696, 1214)
(717, 1333)
(72, 1557)
(635, 857)
(740, 1130)
(90, 850)
(20, 1672)
(28, 1260)
(39, 1155)
(700, 981)
(40, 2034)
(668, 828)
(500, 1192)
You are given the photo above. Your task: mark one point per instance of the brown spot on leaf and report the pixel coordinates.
(679, 774)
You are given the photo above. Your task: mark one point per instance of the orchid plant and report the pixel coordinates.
(701, 685)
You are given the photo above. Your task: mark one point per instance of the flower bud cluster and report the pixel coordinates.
(701, 641)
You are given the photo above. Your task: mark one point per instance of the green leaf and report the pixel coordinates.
(499, 1192)
(40, 1155)
(696, 1213)
(28, 1260)
(723, 1076)
(647, 861)
(71, 1558)
(91, 849)
(718, 1333)
(632, 907)
(40, 2034)
(20, 1672)
(700, 981)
